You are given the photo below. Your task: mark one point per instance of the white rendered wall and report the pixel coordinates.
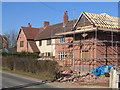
(46, 48)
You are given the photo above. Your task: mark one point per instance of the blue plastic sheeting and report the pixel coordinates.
(98, 71)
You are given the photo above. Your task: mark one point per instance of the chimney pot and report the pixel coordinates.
(46, 23)
(65, 18)
(29, 25)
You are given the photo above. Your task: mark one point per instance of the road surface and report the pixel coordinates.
(16, 81)
(10, 80)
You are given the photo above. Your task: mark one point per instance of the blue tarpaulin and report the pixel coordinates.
(98, 71)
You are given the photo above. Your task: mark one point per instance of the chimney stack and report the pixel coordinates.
(65, 18)
(46, 23)
(29, 25)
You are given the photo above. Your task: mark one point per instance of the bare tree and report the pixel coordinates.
(12, 38)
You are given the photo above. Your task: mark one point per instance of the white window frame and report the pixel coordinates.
(22, 43)
(61, 55)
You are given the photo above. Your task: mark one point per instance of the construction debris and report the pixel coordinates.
(80, 77)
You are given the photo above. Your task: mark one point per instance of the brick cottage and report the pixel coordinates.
(87, 42)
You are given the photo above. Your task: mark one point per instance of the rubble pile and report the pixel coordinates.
(80, 77)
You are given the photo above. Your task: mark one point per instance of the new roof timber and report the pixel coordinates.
(99, 20)
(90, 26)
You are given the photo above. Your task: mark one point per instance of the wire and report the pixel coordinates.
(55, 9)
(50, 7)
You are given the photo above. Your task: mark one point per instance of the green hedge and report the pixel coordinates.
(28, 64)
(20, 54)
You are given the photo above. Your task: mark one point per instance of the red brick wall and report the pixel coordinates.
(96, 50)
(62, 48)
(109, 50)
(27, 47)
(4, 43)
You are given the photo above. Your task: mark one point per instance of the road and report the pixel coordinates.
(10, 80)
(16, 81)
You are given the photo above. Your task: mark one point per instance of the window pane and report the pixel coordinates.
(61, 55)
(49, 42)
(85, 54)
(21, 43)
(40, 43)
(62, 40)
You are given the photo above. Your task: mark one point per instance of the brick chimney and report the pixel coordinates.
(29, 25)
(46, 23)
(65, 18)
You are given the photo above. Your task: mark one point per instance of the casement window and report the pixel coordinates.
(49, 42)
(40, 43)
(21, 43)
(85, 54)
(61, 55)
(51, 54)
(48, 54)
(62, 40)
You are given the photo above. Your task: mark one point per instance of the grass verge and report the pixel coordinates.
(42, 76)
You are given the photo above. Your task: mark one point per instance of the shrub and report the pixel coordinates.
(8, 61)
(20, 54)
(5, 53)
(32, 65)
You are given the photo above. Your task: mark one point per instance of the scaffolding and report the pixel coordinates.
(114, 59)
(84, 52)
(109, 46)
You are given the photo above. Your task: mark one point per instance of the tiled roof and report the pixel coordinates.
(31, 32)
(3, 41)
(51, 30)
(33, 46)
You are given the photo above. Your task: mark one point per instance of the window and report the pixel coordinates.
(48, 54)
(51, 54)
(40, 43)
(49, 42)
(62, 40)
(21, 43)
(61, 55)
(42, 54)
(85, 54)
